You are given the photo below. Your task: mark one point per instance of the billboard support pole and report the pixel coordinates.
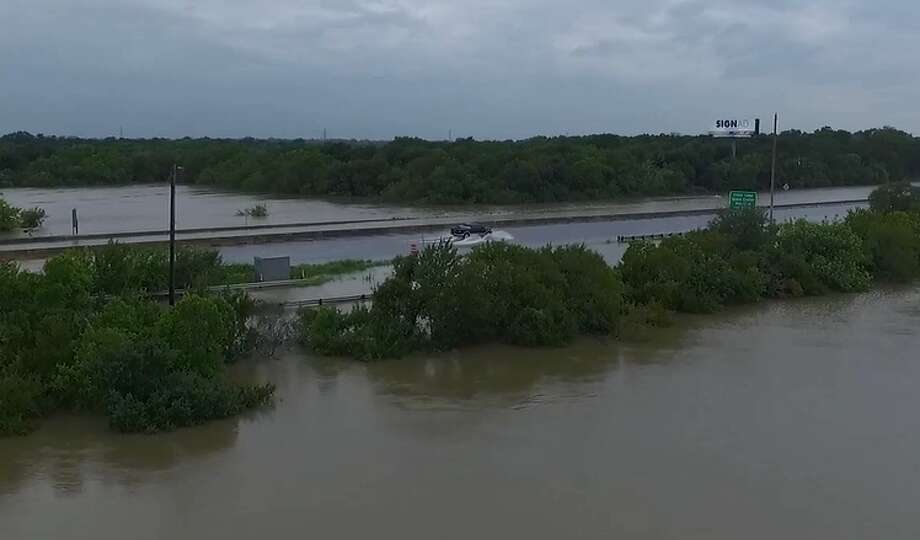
(734, 149)
(773, 168)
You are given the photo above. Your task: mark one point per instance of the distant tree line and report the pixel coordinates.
(467, 171)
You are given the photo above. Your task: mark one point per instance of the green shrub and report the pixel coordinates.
(133, 315)
(32, 218)
(202, 330)
(441, 300)
(183, 399)
(593, 293)
(652, 274)
(9, 216)
(65, 343)
(243, 308)
(148, 389)
(236, 273)
(896, 197)
(82, 383)
(819, 257)
(333, 268)
(21, 397)
(124, 268)
(119, 268)
(747, 228)
(696, 273)
(331, 332)
(67, 282)
(638, 320)
(549, 326)
(891, 243)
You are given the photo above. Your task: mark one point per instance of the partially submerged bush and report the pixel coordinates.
(639, 320)
(65, 343)
(891, 243)
(12, 217)
(21, 401)
(256, 211)
(9, 216)
(503, 292)
(32, 218)
(819, 258)
(747, 228)
(440, 300)
(150, 390)
(697, 273)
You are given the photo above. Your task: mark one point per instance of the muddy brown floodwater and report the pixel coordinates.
(793, 419)
(145, 207)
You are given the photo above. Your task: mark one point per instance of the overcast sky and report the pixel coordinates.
(482, 68)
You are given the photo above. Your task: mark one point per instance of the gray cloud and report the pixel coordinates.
(485, 68)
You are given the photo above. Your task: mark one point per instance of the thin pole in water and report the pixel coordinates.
(773, 167)
(172, 235)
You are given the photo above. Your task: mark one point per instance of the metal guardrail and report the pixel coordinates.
(627, 238)
(199, 230)
(329, 301)
(317, 302)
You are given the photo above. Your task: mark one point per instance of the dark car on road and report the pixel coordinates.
(468, 229)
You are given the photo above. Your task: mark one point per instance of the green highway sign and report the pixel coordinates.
(742, 199)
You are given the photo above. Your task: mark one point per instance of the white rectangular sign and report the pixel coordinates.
(734, 127)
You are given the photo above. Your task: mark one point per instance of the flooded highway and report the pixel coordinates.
(599, 235)
(146, 207)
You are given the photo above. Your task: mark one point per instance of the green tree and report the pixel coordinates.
(9, 216)
(748, 228)
(898, 197)
(202, 330)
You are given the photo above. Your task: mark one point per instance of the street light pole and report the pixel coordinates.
(773, 167)
(172, 234)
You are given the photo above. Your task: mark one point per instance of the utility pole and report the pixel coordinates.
(450, 135)
(172, 234)
(773, 167)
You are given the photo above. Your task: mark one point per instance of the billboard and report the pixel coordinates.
(736, 127)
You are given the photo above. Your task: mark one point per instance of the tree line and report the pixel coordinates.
(539, 169)
(440, 300)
